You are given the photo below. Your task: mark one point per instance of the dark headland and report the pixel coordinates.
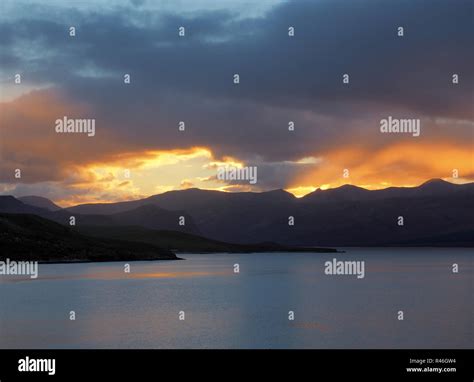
(27, 237)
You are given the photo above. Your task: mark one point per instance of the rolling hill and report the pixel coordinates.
(32, 238)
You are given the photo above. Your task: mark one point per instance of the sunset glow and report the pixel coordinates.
(296, 122)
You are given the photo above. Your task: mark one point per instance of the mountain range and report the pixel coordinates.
(436, 213)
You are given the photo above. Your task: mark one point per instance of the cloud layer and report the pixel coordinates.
(282, 79)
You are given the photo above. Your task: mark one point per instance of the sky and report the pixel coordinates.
(138, 150)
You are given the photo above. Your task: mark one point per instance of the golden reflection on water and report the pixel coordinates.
(168, 275)
(120, 275)
(311, 325)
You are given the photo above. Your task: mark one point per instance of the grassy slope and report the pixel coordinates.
(30, 237)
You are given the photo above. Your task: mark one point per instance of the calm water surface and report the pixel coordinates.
(248, 309)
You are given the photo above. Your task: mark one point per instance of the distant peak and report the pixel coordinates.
(39, 201)
(436, 182)
(343, 188)
(33, 197)
(349, 187)
(191, 189)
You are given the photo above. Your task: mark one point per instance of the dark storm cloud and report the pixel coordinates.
(332, 38)
(282, 78)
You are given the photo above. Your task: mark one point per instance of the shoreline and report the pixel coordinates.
(270, 251)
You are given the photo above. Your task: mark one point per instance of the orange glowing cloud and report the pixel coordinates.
(398, 164)
(77, 169)
(136, 175)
